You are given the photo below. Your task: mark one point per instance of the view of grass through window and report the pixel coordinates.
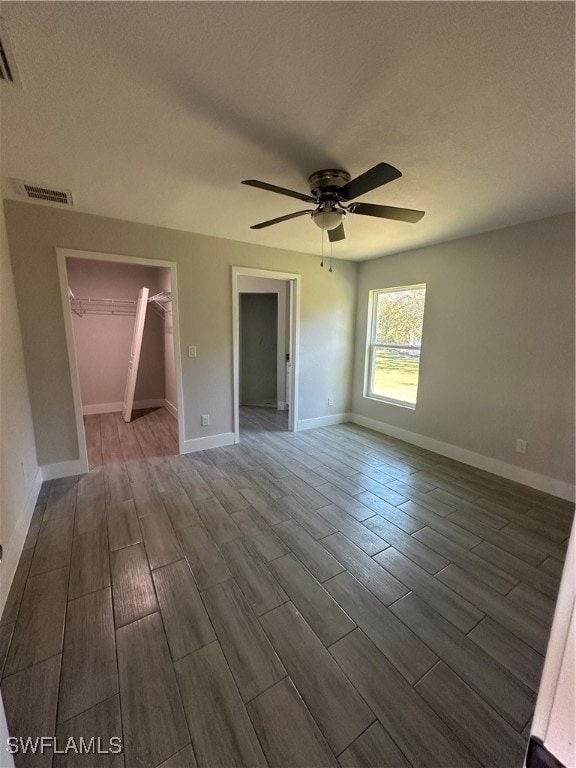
(396, 337)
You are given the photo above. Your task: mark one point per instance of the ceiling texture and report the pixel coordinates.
(155, 112)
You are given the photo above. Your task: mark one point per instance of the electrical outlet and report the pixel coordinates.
(205, 420)
(521, 446)
(192, 351)
(330, 401)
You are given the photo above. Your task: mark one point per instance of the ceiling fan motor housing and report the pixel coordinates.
(327, 181)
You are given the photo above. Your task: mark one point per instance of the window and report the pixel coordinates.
(394, 338)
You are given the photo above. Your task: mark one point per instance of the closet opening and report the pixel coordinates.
(120, 328)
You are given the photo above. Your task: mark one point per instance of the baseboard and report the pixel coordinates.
(91, 410)
(212, 441)
(63, 469)
(497, 467)
(171, 408)
(323, 421)
(282, 406)
(13, 549)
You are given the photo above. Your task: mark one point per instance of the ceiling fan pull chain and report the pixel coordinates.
(330, 270)
(322, 247)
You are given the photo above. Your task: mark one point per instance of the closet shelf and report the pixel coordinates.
(88, 305)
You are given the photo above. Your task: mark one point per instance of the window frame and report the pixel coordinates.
(372, 345)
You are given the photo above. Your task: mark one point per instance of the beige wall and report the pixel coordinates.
(205, 297)
(18, 465)
(498, 343)
(103, 341)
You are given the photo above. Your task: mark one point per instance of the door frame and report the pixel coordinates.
(294, 285)
(69, 253)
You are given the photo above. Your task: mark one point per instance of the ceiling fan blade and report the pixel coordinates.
(279, 219)
(279, 190)
(336, 234)
(375, 177)
(387, 212)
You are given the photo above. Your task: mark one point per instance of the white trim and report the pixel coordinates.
(63, 469)
(281, 406)
(527, 477)
(75, 379)
(211, 441)
(294, 282)
(61, 255)
(13, 548)
(159, 402)
(171, 408)
(324, 421)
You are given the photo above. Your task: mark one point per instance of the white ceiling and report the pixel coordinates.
(154, 112)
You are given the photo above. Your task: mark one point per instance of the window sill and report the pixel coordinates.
(390, 401)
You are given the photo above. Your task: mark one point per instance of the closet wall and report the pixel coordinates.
(102, 341)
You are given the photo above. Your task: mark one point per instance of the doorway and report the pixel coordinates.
(265, 344)
(100, 295)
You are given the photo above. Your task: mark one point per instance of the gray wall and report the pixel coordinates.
(103, 341)
(18, 464)
(205, 296)
(258, 348)
(497, 358)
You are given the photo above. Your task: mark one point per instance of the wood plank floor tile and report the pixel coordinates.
(552, 566)
(221, 730)
(377, 579)
(534, 602)
(310, 497)
(252, 659)
(12, 605)
(419, 553)
(202, 462)
(102, 721)
(54, 546)
(415, 728)
(30, 699)
(441, 525)
(152, 715)
(288, 734)
(318, 607)
(311, 553)
(89, 567)
(40, 625)
(254, 527)
(264, 480)
(393, 514)
(510, 698)
(445, 601)
(533, 577)
(364, 538)
(89, 673)
(61, 498)
(469, 561)
(228, 496)
(253, 576)
(185, 619)
(373, 749)
(485, 733)
(180, 509)
(310, 519)
(217, 521)
(514, 655)
(205, 560)
(132, 587)
(352, 505)
(265, 505)
(398, 643)
(90, 513)
(6, 631)
(123, 526)
(162, 546)
(334, 703)
(511, 616)
(182, 759)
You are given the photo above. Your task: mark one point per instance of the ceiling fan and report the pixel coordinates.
(331, 190)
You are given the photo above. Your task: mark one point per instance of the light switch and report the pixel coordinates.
(192, 351)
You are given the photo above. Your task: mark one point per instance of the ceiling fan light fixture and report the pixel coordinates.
(328, 218)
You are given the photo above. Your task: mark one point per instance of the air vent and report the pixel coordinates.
(42, 192)
(8, 70)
